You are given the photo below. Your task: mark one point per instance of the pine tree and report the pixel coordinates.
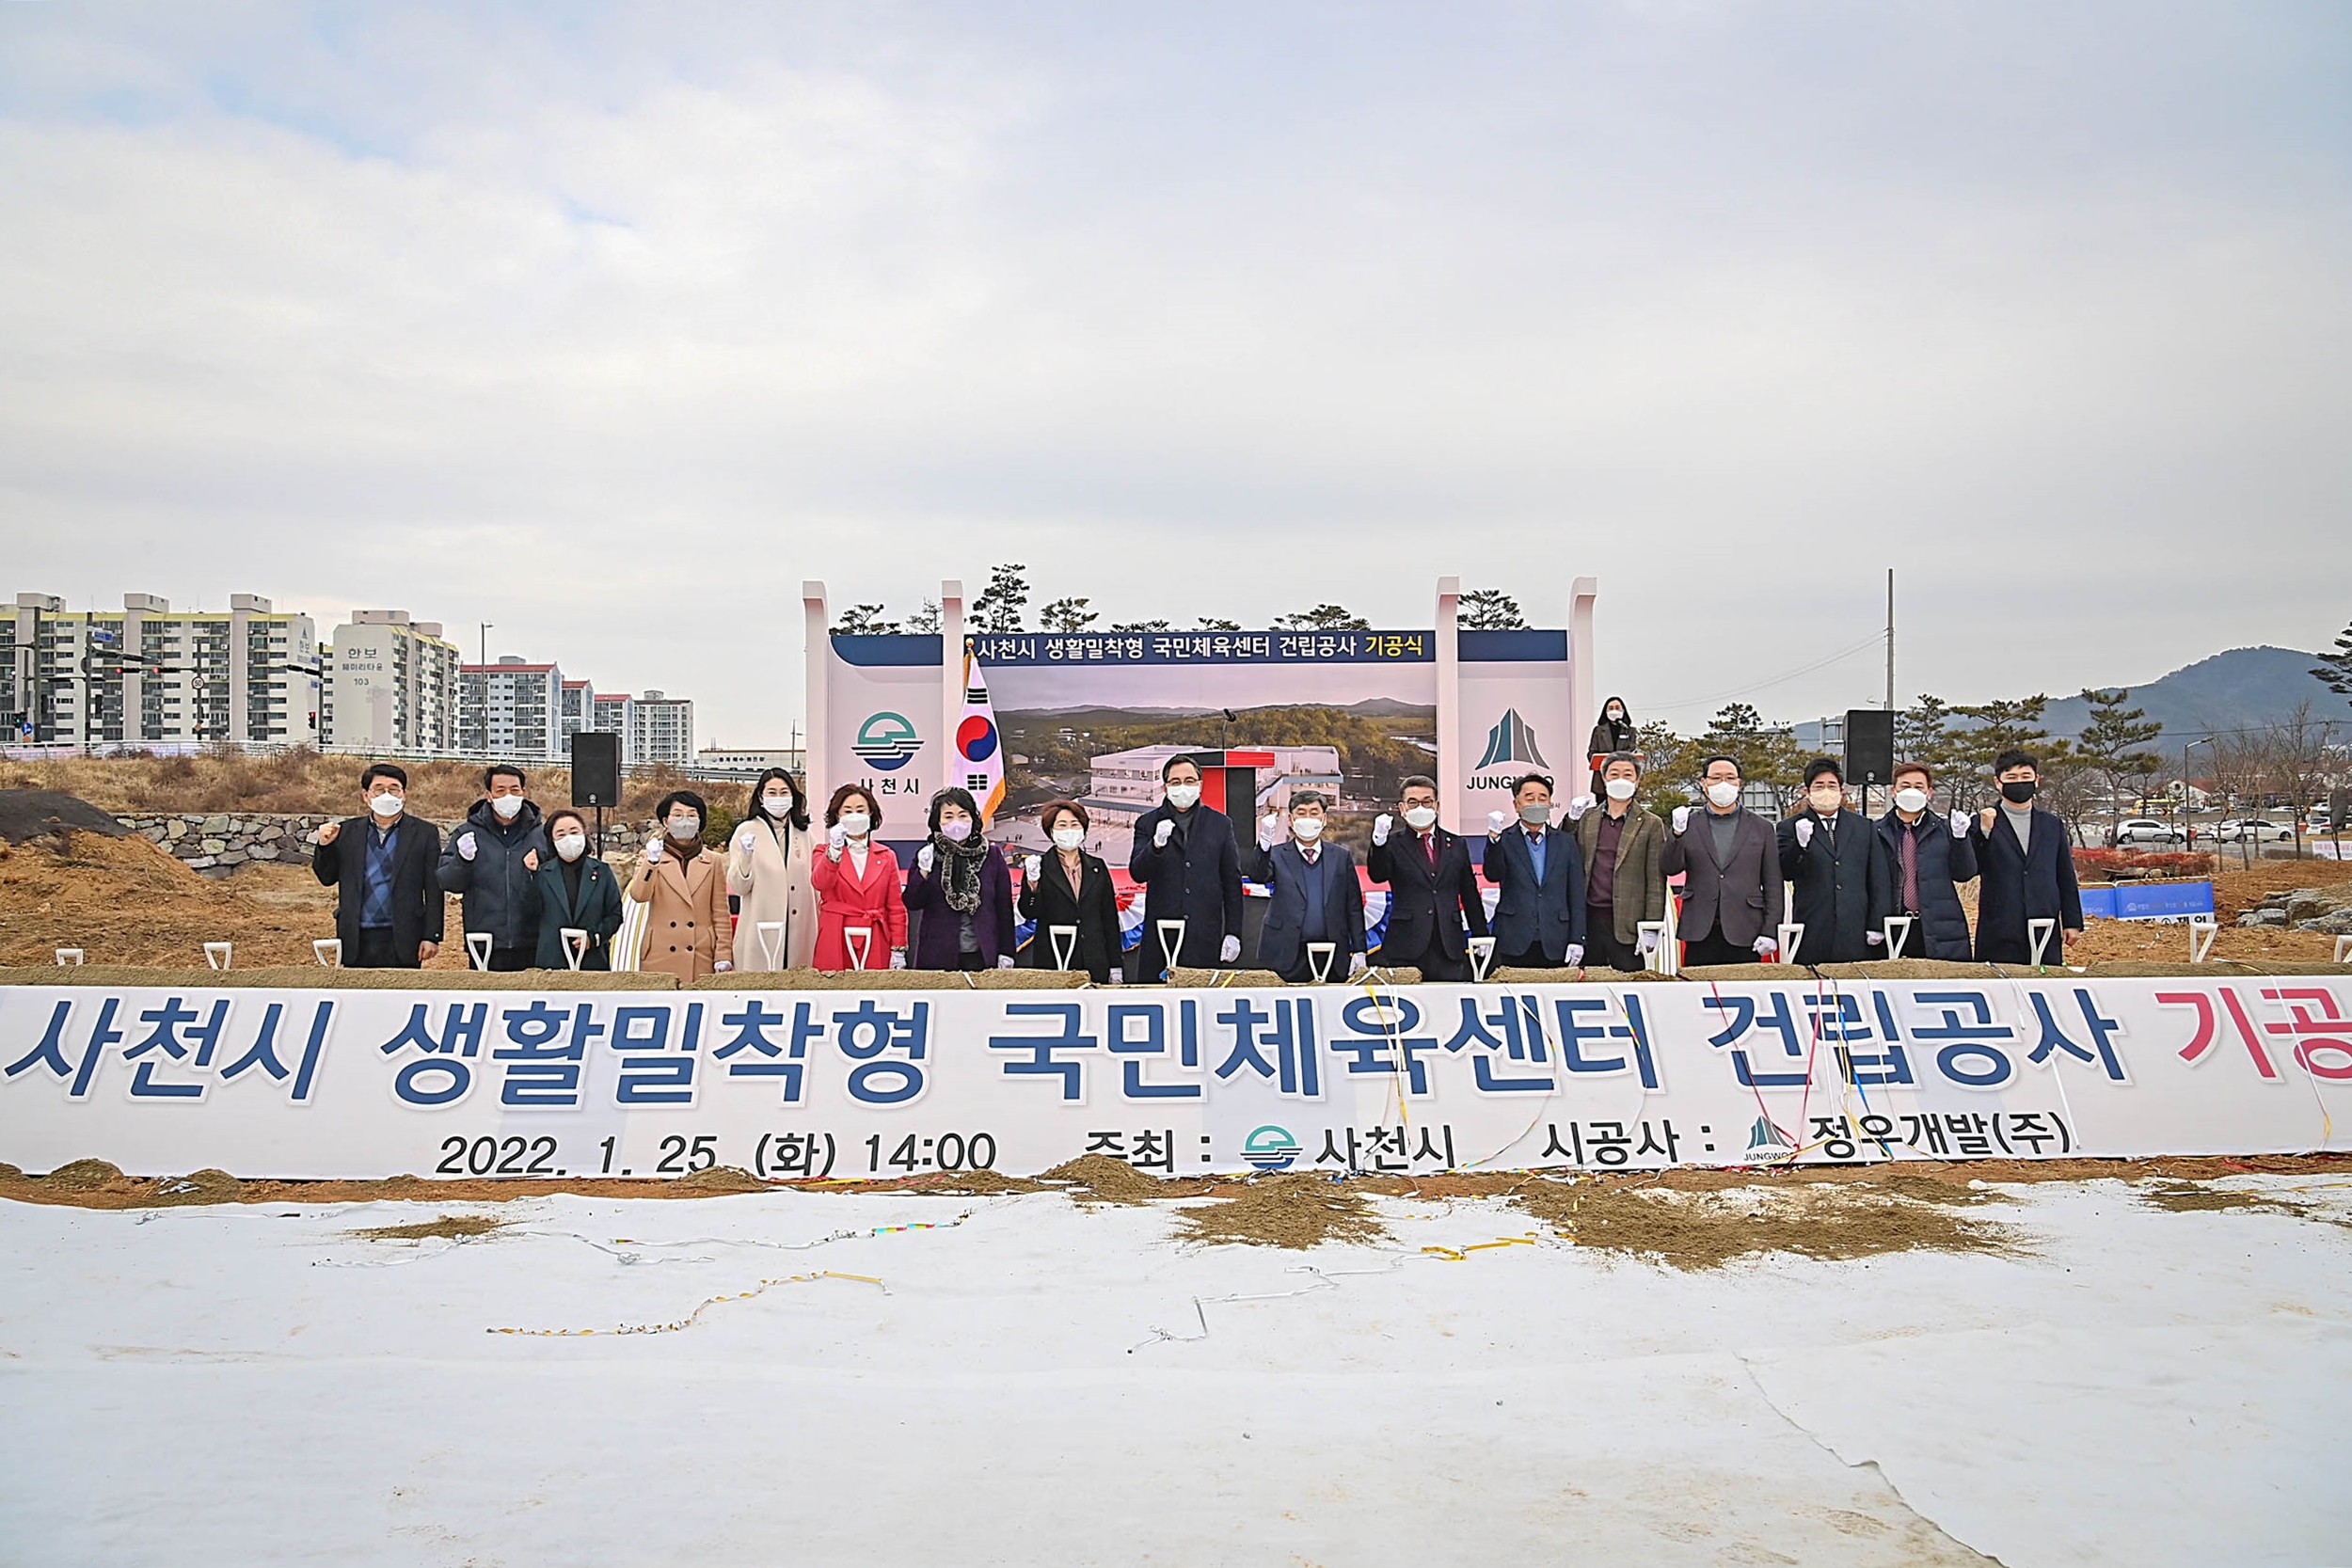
(862, 620)
(1324, 617)
(1767, 752)
(998, 608)
(2335, 670)
(2110, 744)
(1067, 614)
(1490, 610)
(925, 620)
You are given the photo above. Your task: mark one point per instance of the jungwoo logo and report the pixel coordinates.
(887, 741)
(1270, 1147)
(1512, 740)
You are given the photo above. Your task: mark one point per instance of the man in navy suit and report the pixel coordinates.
(1539, 919)
(1190, 864)
(1316, 895)
(2026, 858)
(1433, 889)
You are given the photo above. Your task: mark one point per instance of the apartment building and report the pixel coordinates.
(149, 675)
(391, 685)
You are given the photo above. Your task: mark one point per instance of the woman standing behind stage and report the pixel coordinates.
(965, 890)
(1069, 887)
(856, 880)
(1612, 732)
(769, 872)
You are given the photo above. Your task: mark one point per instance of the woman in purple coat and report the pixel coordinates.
(962, 890)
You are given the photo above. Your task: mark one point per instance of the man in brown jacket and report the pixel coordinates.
(689, 932)
(1625, 877)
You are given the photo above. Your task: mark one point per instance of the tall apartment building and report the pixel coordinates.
(661, 729)
(391, 685)
(147, 675)
(579, 710)
(512, 708)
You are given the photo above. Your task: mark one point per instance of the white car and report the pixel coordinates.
(2143, 829)
(2240, 829)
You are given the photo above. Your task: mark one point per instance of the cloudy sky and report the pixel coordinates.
(610, 324)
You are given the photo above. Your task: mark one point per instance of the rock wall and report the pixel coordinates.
(217, 842)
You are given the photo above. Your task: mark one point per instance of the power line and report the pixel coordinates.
(1874, 639)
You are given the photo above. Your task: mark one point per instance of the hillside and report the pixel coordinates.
(2244, 686)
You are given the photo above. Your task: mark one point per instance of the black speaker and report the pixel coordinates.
(595, 769)
(1869, 745)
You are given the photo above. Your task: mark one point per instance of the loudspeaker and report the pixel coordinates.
(1869, 745)
(595, 769)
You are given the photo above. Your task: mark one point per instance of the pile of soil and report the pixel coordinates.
(36, 813)
(1100, 1179)
(1289, 1210)
(448, 1227)
(721, 1179)
(2179, 1198)
(124, 901)
(1692, 1230)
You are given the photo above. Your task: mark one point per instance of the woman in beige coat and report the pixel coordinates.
(689, 932)
(768, 871)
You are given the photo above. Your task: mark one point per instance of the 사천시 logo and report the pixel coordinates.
(1512, 740)
(887, 741)
(1270, 1147)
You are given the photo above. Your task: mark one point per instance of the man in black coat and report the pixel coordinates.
(1539, 916)
(2026, 859)
(1928, 857)
(1190, 864)
(491, 858)
(1316, 896)
(386, 866)
(1840, 868)
(1433, 889)
(1732, 893)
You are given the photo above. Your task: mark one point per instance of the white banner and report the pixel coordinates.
(796, 1085)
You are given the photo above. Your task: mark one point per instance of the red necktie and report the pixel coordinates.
(1429, 847)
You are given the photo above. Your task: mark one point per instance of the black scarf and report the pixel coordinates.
(960, 866)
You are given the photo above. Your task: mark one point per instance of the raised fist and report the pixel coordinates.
(1682, 819)
(531, 860)
(1380, 826)
(653, 853)
(924, 858)
(1579, 805)
(1805, 832)
(329, 832)
(836, 839)
(1269, 830)
(1960, 826)
(1165, 830)
(748, 839)
(1496, 822)
(465, 847)
(1031, 867)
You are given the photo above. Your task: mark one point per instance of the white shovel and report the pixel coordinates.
(2041, 932)
(1171, 944)
(1319, 957)
(859, 940)
(1065, 940)
(1482, 956)
(1656, 960)
(1898, 931)
(1791, 933)
(2202, 928)
(575, 940)
(329, 951)
(770, 934)
(216, 954)
(69, 957)
(478, 947)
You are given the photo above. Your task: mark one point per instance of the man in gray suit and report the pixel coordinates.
(1731, 899)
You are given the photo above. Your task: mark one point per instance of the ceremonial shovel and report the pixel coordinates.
(1319, 957)
(329, 951)
(216, 954)
(1482, 956)
(1065, 939)
(1171, 944)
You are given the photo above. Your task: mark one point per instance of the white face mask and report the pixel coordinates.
(1183, 796)
(1621, 789)
(1069, 838)
(1421, 818)
(386, 805)
(1722, 795)
(508, 806)
(1536, 813)
(1616, 716)
(778, 805)
(571, 846)
(1307, 829)
(957, 830)
(1912, 800)
(855, 823)
(686, 829)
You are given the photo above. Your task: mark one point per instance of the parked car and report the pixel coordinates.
(2250, 829)
(2142, 830)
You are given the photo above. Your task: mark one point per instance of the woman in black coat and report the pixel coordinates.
(572, 888)
(1614, 733)
(1071, 887)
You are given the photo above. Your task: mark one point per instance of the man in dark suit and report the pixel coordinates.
(387, 867)
(1316, 895)
(1433, 889)
(1539, 918)
(2026, 858)
(1928, 857)
(1839, 867)
(1190, 864)
(1731, 893)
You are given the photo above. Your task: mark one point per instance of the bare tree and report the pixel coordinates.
(2302, 756)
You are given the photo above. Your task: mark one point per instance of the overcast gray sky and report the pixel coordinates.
(610, 324)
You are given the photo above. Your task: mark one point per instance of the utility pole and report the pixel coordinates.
(1890, 639)
(485, 643)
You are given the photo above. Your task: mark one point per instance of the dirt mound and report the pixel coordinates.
(981, 1183)
(723, 1179)
(1100, 1179)
(202, 1186)
(1705, 1231)
(2183, 1199)
(32, 812)
(85, 1176)
(1296, 1211)
(125, 901)
(448, 1228)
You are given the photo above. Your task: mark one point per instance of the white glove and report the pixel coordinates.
(1496, 822)
(465, 847)
(924, 858)
(836, 839)
(1165, 830)
(653, 853)
(1031, 867)
(1229, 950)
(1805, 832)
(720, 966)
(1648, 944)
(1578, 806)
(898, 957)
(748, 839)
(1005, 961)
(1574, 956)
(1355, 965)
(1876, 939)
(1960, 826)
(1269, 830)
(1380, 826)
(1682, 819)
(1766, 947)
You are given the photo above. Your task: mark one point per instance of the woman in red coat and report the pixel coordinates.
(857, 885)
